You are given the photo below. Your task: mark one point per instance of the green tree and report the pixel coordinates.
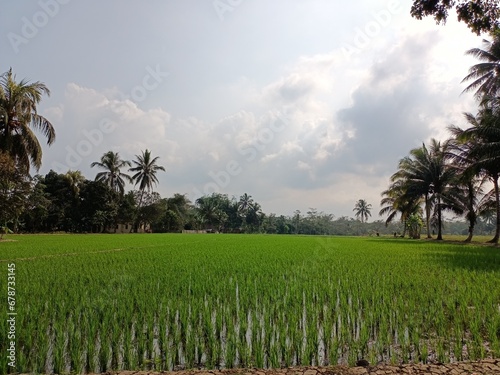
(316, 222)
(177, 214)
(254, 217)
(482, 151)
(414, 224)
(244, 206)
(112, 176)
(479, 15)
(151, 211)
(15, 188)
(469, 197)
(485, 76)
(471, 200)
(63, 210)
(75, 180)
(396, 200)
(98, 207)
(19, 119)
(362, 210)
(269, 224)
(36, 211)
(426, 173)
(283, 225)
(145, 170)
(297, 220)
(127, 209)
(210, 211)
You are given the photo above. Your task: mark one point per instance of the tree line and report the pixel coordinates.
(68, 202)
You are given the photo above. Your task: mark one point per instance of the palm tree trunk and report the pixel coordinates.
(471, 215)
(497, 203)
(140, 199)
(471, 233)
(136, 223)
(428, 216)
(440, 221)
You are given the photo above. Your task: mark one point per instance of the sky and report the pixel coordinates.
(299, 103)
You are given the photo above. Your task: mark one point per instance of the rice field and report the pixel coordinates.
(93, 303)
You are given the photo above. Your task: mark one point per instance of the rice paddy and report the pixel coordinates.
(93, 303)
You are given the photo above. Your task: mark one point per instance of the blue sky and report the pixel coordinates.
(301, 104)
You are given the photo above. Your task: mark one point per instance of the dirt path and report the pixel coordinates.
(484, 367)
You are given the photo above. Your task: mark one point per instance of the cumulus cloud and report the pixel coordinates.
(89, 124)
(392, 111)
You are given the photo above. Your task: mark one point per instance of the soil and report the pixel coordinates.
(483, 367)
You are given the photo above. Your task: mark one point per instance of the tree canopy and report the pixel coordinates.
(481, 16)
(19, 119)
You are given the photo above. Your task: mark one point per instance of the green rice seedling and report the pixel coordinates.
(283, 344)
(59, 351)
(107, 358)
(424, 356)
(352, 354)
(192, 301)
(494, 335)
(200, 349)
(230, 354)
(41, 355)
(95, 357)
(457, 348)
(143, 340)
(333, 353)
(132, 357)
(217, 353)
(273, 355)
(89, 362)
(242, 341)
(82, 364)
(258, 353)
(209, 339)
(190, 348)
(440, 350)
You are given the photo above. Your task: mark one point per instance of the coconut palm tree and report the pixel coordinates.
(412, 171)
(19, 119)
(244, 204)
(75, 179)
(145, 172)
(362, 209)
(112, 175)
(426, 174)
(396, 200)
(485, 76)
(209, 212)
(254, 216)
(482, 149)
(468, 197)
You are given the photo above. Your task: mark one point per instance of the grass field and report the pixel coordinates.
(91, 303)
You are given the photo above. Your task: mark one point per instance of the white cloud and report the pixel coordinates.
(81, 138)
